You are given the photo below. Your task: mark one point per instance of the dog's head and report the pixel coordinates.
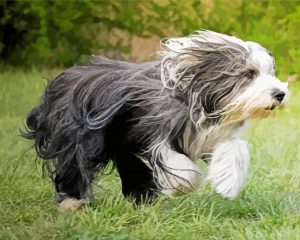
(224, 77)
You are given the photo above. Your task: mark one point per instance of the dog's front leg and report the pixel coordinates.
(179, 174)
(228, 167)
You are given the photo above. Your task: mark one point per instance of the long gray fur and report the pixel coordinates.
(71, 125)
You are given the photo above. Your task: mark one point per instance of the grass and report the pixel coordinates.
(267, 208)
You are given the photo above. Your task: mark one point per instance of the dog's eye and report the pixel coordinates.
(251, 74)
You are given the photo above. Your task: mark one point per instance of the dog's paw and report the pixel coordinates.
(70, 204)
(229, 167)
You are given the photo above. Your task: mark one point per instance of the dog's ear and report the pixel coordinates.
(177, 63)
(209, 67)
(184, 57)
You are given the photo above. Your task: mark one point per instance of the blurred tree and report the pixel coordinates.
(51, 32)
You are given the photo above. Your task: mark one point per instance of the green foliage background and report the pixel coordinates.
(52, 33)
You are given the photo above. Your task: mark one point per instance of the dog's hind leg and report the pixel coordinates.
(76, 169)
(228, 167)
(137, 178)
(73, 186)
(74, 183)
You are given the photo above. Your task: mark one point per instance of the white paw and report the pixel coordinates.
(70, 204)
(228, 168)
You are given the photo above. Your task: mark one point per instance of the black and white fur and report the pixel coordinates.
(155, 119)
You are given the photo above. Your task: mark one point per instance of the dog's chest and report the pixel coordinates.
(201, 144)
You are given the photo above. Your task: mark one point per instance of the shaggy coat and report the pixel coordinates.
(154, 120)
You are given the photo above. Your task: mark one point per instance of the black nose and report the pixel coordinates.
(278, 95)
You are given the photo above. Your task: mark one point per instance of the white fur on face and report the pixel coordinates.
(228, 168)
(257, 100)
(260, 59)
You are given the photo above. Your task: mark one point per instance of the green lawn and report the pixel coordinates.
(267, 208)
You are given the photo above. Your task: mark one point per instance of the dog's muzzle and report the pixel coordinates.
(279, 98)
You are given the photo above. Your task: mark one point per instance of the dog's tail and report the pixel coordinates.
(36, 126)
(31, 124)
(68, 127)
